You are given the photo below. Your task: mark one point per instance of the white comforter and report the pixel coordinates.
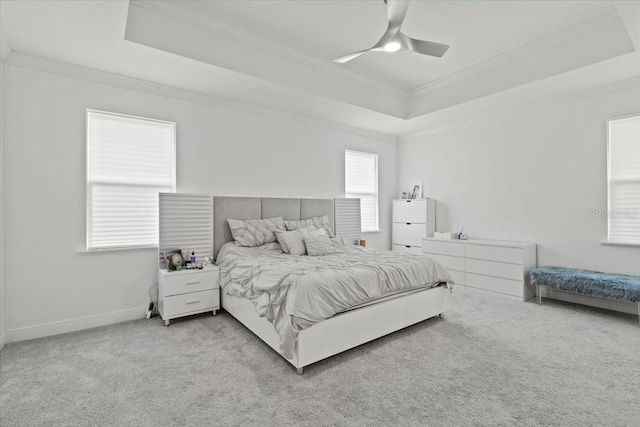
(295, 292)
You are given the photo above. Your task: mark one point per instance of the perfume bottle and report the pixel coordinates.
(192, 259)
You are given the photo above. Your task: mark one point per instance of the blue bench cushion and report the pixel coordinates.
(615, 286)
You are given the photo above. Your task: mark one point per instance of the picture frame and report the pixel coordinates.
(171, 256)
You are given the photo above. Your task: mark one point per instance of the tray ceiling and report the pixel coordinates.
(276, 56)
(324, 30)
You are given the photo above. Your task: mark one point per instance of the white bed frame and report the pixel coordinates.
(341, 332)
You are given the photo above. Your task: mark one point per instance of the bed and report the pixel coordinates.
(274, 295)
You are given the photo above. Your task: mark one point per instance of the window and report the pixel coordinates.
(129, 161)
(361, 181)
(623, 153)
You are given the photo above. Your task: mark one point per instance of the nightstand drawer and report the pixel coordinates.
(175, 284)
(192, 302)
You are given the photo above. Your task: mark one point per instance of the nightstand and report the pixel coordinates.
(187, 292)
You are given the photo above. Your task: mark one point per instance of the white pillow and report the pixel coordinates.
(255, 232)
(317, 221)
(280, 235)
(294, 240)
(318, 245)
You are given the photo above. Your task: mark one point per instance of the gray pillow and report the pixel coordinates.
(316, 221)
(319, 244)
(281, 236)
(255, 232)
(294, 240)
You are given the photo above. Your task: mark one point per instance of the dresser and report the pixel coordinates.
(491, 265)
(187, 292)
(413, 220)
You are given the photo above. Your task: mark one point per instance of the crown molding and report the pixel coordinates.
(238, 34)
(630, 14)
(474, 111)
(592, 25)
(19, 59)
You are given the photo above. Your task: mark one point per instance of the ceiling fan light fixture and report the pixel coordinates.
(392, 47)
(394, 39)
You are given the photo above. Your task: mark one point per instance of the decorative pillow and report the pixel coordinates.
(317, 221)
(318, 245)
(280, 235)
(255, 232)
(294, 240)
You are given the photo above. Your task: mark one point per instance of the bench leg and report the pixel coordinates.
(539, 292)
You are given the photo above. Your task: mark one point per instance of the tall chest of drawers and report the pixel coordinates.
(413, 220)
(491, 265)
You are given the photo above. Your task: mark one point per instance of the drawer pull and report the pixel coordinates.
(407, 246)
(408, 223)
(191, 283)
(192, 302)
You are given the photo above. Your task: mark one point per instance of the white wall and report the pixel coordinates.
(49, 284)
(528, 175)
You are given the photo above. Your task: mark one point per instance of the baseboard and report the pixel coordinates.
(65, 326)
(621, 306)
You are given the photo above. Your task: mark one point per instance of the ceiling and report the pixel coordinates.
(277, 55)
(325, 30)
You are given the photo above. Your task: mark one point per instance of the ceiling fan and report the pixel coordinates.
(394, 39)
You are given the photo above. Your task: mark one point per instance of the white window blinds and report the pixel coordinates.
(624, 180)
(129, 161)
(186, 222)
(348, 219)
(361, 181)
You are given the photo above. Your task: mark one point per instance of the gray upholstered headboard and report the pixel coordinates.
(261, 208)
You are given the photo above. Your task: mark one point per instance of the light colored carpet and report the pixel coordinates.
(490, 361)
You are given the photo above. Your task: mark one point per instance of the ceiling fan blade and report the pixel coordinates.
(354, 55)
(425, 47)
(396, 11)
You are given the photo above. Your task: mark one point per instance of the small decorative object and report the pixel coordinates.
(460, 234)
(174, 258)
(363, 243)
(416, 193)
(193, 258)
(164, 255)
(405, 195)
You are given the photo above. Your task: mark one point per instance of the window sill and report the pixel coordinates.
(85, 251)
(610, 243)
(370, 231)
